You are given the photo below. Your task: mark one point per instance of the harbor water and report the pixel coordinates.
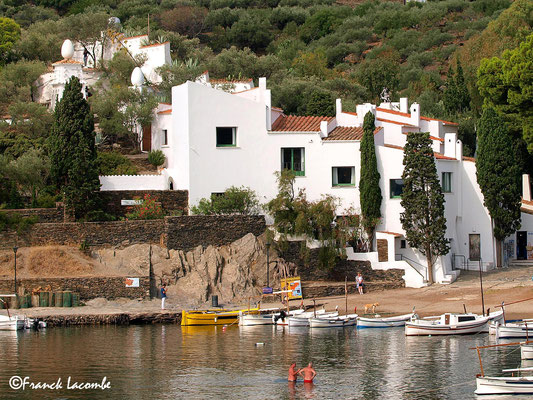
(171, 362)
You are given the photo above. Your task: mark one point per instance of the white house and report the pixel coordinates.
(214, 139)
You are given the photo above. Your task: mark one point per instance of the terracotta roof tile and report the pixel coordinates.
(472, 159)
(67, 61)
(293, 123)
(390, 233)
(528, 202)
(395, 122)
(440, 120)
(440, 156)
(169, 111)
(214, 80)
(277, 109)
(345, 133)
(348, 112)
(393, 146)
(154, 45)
(393, 112)
(526, 210)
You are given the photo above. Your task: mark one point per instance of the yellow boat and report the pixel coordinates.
(213, 317)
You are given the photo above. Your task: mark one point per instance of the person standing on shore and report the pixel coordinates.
(359, 282)
(308, 373)
(163, 295)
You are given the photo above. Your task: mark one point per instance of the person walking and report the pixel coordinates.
(163, 295)
(359, 282)
(85, 55)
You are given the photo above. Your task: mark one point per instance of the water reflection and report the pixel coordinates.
(169, 362)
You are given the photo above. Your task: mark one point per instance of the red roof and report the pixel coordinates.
(393, 146)
(169, 111)
(345, 133)
(293, 123)
(395, 122)
(440, 120)
(214, 80)
(469, 159)
(393, 112)
(351, 113)
(440, 156)
(154, 45)
(67, 61)
(390, 233)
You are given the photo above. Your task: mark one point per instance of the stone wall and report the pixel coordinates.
(172, 201)
(188, 232)
(43, 214)
(383, 250)
(93, 233)
(88, 288)
(178, 233)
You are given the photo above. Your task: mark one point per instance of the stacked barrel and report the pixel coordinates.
(65, 298)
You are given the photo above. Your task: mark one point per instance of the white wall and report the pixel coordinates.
(134, 182)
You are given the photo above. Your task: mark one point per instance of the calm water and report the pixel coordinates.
(170, 362)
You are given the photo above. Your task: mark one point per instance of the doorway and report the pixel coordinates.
(474, 247)
(521, 245)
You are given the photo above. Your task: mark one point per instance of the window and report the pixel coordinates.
(447, 182)
(293, 159)
(396, 188)
(164, 139)
(343, 176)
(403, 244)
(226, 137)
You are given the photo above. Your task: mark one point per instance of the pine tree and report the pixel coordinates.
(498, 176)
(423, 218)
(73, 152)
(369, 190)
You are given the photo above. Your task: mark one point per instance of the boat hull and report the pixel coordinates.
(256, 319)
(332, 322)
(526, 351)
(504, 385)
(12, 325)
(462, 328)
(209, 317)
(390, 322)
(303, 319)
(513, 331)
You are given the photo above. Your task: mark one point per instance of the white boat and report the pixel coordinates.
(303, 319)
(506, 385)
(340, 321)
(526, 350)
(513, 330)
(12, 323)
(379, 322)
(268, 317)
(447, 324)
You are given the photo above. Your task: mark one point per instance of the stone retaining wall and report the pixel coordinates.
(87, 287)
(109, 319)
(172, 201)
(188, 232)
(43, 214)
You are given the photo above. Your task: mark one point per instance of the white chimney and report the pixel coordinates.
(526, 188)
(323, 129)
(363, 109)
(338, 107)
(262, 83)
(415, 114)
(450, 145)
(404, 104)
(268, 104)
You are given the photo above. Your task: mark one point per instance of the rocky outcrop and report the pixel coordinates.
(235, 272)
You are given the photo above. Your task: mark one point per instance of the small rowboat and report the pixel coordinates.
(303, 319)
(526, 351)
(268, 318)
(505, 385)
(447, 324)
(340, 321)
(379, 322)
(212, 317)
(15, 323)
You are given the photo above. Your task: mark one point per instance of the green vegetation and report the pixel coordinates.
(423, 202)
(148, 209)
(156, 158)
(16, 222)
(114, 163)
(499, 177)
(235, 200)
(369, 190)
(73, 151)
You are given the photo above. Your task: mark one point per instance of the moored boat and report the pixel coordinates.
(303, 319)
(11, 323)
(340, 321)
(513, 330)
(505, 385)
(212, 317)
(378, 322)
(447, 324)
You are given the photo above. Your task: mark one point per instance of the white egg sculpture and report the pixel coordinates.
(137, 77)
(67, 50)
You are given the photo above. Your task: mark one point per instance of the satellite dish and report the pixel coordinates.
(137, 77)
(67, 49)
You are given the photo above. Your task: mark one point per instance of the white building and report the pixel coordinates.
(213, 140)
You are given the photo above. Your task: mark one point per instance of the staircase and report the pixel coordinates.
(521, 263)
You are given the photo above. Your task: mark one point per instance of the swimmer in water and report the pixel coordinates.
(308, 373)
(293, 373)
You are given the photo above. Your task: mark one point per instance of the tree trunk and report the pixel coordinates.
(430, 265)
(498, 253)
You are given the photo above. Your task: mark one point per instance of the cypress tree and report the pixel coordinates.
(73, 152)
(423, 218)
(369, 190)
(498, 176)
(450, 93)
(463, 96)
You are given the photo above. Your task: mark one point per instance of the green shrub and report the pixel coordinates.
(46, 201)
(16, 222)
(234, 200)
(156, 158)
(114, 163)
(98, 216)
